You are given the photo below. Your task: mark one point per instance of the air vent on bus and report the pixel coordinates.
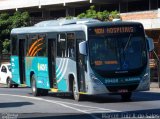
(47, 23)
(83, 21)
(65, 22)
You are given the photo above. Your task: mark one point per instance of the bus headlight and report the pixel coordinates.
(145, 77)
(96, 80)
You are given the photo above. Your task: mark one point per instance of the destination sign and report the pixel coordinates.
(114, 30)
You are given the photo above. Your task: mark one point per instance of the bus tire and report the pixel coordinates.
(9, 85)
(76, 95)
(126, 96)
(35, 91)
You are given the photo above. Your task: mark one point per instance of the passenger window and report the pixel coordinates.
(71, 45)
(61, 45)
(31, 45)
(42, 49)
(37, 46)
(14, 45)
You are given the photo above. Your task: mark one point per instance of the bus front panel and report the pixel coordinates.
(118, 57)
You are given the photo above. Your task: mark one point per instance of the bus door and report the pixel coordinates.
(21, 52)
(52, 62)
(81, 64)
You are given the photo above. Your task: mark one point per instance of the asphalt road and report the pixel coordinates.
(19, 103)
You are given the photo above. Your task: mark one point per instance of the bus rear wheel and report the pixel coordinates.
(75, 91)
(126, 96)
(35, 90)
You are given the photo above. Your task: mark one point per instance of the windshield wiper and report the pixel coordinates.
(123, 62)
(128, 41)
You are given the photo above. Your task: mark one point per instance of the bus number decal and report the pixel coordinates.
(42, 67)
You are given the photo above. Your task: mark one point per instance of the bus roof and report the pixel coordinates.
(67, 25)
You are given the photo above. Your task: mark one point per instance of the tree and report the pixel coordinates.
(6, 46)
(103, 16)
(4, 26)
(7, 23)
(19, 19)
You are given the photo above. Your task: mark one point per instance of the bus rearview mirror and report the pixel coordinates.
(82, 48)
(150, 44)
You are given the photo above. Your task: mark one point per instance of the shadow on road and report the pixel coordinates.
(13, 87)
(55, 116)
(61, 95)
(136, 97)
(148, 113)
(14, 104)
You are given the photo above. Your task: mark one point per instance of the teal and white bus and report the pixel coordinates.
(84, 56)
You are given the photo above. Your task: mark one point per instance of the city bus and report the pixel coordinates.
(82, 57)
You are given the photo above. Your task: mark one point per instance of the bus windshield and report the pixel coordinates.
(117, 54)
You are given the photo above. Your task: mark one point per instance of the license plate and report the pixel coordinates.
(123, 91)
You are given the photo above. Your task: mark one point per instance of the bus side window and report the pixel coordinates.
(71, 45)
(14, 45)
(61, 45)
(36, 45)
(43, 51)
(31, 48)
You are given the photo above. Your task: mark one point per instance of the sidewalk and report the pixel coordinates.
(157, 90)
(154, 87)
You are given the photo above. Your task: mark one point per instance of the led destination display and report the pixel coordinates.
(114, 30)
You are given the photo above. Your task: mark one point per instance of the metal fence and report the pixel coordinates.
(5, 58)
(155, 70)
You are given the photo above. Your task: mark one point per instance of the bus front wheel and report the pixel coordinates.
(76, 94)
(126, 96)
(35, 90)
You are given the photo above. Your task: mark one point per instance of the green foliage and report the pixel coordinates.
(19, 19)
(7, 23)
(113, 15)
(6, 46)
(69, 17)
(103, 16)
(4, 25)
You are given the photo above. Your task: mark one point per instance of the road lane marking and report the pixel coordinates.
(90, 106)
(64, 104)
(94, 110)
